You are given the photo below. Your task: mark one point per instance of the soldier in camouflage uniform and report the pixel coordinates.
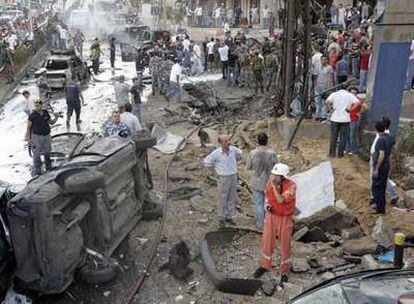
(165, 74)
(155, 64)
(271, 68)
(257, 69)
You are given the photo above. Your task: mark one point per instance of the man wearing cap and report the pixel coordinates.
(280, 197)
(38, 130)
(224, 161)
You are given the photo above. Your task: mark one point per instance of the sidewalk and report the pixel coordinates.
(6, 90)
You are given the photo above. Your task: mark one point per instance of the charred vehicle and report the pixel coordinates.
(72, 218)
(60, 67)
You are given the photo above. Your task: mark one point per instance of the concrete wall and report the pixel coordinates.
(407, 107)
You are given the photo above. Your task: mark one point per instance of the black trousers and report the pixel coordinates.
(379, 187)
(73, 107)
(95, 66)
(341, 130)
(225, 69)
(112, 59)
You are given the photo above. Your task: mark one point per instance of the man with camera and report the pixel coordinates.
(280, 197)
(38, 130)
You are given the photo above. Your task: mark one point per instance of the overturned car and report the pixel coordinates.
(73, 217)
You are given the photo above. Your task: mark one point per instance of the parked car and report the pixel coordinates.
(73, 217)
(60, 66)
(381, 286)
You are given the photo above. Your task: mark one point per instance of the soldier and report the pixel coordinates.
(9, 65)
(271, 69)
(257, 69)
(165, 75)
(155, 69)
(79, 39)
(96, 53)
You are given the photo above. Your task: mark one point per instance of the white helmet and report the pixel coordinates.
(281, 169)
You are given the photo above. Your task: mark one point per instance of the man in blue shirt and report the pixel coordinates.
(381, 169)
(224, 161)
(73, 101)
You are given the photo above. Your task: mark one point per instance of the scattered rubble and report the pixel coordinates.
(362, 246)
(352, 233)
(178, 261)
(300, 265)
(409, 199)
(369, 262)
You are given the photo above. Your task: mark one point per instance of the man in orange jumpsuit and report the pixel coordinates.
(280, 196)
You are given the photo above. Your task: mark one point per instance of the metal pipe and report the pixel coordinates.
(399, 240)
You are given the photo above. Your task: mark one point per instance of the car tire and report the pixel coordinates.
(84, 182)
(152, 212)
(143, 142)
(99, 276)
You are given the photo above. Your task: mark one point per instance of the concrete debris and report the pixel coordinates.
(352, 233)
(352, 258)
(178, 261)
(327, 276)
(341, 205)
(310, 196)
(203, 221)
(331, 219)
(300, 233)
(179, 298)
(14, 298)
(409, 198)
(300, 265)
(315, 234)
(368, 262)
(177, 174)
(270, 287)
(382, 234)
(360, 246)
(184, 192)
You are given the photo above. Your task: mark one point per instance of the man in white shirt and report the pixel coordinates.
(217, 16)
(130, 119)
(316, 65)
(265, 17)
(210, 52)
(28, 105)
(175, 81)
(198, 67)
(199, 15)
(186, 50)
(224, 58)
(324, 82)
(224, 161)
(340, 102)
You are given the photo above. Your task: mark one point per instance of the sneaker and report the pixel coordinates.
(284, 279)
(259, 272)
(394, 201)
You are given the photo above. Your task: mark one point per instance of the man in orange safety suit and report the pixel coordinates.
(280, 197)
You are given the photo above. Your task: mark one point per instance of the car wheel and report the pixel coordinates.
(84, 182)
(144, 142)
(99, 275)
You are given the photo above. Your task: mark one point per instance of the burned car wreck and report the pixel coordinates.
(73, 217)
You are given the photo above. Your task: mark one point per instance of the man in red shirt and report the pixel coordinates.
(280, 197)
(363, 68)
(351, 147)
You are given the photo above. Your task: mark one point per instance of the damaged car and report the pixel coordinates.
(59, 68)
(72, 218)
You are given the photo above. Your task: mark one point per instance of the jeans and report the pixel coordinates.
(218, 22)
(187, 59)
(259, 200)
(265, 22)
(175, 90)
(73, 106)
(410, 75)
(354, 66)
(233, 75)
(341, 130)
(351, 143)
(197, 67)
(319, 104)
(363, 74)
(41, 145)
(225, 69)
(390, 188)
(62, 44)
(137, 111)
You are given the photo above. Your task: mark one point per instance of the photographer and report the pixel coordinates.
(38, 129)
(280, 196)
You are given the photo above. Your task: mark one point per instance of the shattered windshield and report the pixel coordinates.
(57, 65)
(333, 294)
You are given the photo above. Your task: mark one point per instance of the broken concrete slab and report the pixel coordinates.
(310, 196)
(362, 246)
(177, 174)
(327, 276)
(368, 262)
(331, 219)
(300, 233)
(352, 233)
(409, 198)
(314, 234)
(300, 265)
